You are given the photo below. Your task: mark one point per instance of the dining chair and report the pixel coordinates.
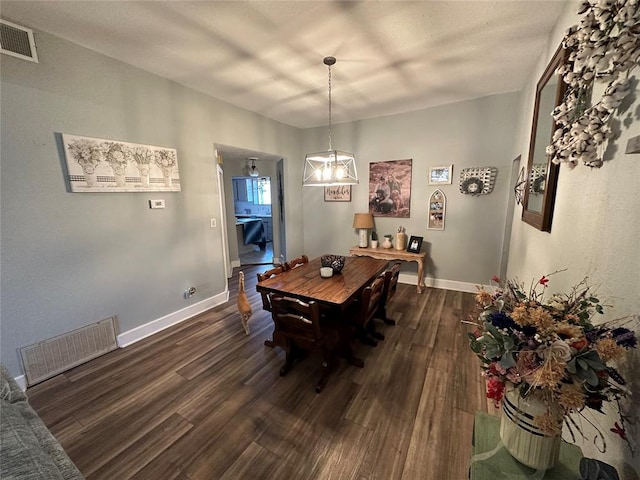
(297, 262)
(389, 290)
(266, 304)
(365, 309)
(297, 329)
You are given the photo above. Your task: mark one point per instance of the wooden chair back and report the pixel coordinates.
(297, 320)
(266, 303)
(297, 262)
(370, 301)
(390, 282)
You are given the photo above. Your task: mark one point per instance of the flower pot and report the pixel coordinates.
(521, 437)
(374, 243)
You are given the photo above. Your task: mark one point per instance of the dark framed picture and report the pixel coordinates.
(414, 245)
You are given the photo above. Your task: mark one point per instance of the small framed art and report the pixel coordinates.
(414, 245)
(339, 193)
(440, 175)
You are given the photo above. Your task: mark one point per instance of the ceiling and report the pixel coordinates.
(266, 56)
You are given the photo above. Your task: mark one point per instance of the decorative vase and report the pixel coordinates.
(89, 175)
(521, 437)
(144, 174)
(166, 175)
(387, 243)
(401, 241)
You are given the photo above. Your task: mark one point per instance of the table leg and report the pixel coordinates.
(421, 285)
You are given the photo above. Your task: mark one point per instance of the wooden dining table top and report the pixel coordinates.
(339, 290)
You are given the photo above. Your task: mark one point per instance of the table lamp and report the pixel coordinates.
(363, 221)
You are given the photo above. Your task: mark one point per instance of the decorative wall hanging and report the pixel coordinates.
(338, 193)
(440, 175)
(604, 48)
(390, 188)
(477, 180)
(99, 165)
(437, 210)
(518, 189)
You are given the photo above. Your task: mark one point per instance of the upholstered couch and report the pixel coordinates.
(29, 450)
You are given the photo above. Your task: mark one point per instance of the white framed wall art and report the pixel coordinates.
(101, 165)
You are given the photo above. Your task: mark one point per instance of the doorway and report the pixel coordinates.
(237, 165)
(254, 222)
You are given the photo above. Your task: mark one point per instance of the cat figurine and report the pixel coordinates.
(244, 307)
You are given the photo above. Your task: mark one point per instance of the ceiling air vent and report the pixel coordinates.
(17, 41)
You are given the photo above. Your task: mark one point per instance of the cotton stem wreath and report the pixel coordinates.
(604, 47)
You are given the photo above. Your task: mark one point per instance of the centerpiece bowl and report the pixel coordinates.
(336, 262)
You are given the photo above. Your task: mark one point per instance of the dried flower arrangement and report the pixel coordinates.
(551, 349)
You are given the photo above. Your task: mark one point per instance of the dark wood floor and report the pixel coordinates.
(203, 401)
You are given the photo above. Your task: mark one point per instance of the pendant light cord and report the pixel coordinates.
(329, 66)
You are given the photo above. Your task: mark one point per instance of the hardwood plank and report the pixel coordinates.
(202, 400)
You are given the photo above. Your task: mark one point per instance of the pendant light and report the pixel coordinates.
(331, 167)
(253, 171)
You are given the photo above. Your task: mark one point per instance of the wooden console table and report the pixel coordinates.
(393, 254)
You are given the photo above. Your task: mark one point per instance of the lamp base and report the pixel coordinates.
(363, 238)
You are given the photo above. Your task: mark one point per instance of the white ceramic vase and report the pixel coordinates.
(521, 437)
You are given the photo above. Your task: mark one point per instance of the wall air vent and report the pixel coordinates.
(17, 41)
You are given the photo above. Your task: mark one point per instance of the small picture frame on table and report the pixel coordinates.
(414, 245)
(440, 175)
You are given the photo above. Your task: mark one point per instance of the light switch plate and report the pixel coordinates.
(213, 223)
(156, 203)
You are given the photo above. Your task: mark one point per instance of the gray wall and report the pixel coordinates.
(595, 234)
(467, 134)
(70, 259)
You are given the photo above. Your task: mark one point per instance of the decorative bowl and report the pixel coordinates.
(336, 262)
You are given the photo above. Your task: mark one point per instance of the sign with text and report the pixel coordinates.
(338, 193)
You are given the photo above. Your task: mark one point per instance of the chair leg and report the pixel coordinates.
(289, 358)
(328, 364)
(371, 328)
(382, 314)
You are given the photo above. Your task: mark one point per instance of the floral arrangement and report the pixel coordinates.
(86, 153)
(551, 349)
(604, 47)
(116, 153)
(165, 158)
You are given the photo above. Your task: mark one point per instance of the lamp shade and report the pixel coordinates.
(362, 220)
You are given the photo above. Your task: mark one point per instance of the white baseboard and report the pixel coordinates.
(412, 279)
(143, 331)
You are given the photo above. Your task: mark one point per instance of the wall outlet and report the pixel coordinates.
(156, 203)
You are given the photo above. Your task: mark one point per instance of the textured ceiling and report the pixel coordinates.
(266, 56)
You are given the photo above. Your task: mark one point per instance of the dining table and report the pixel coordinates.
(333, 294)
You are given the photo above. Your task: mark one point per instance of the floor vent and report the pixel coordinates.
(17, 41)
(55, 355)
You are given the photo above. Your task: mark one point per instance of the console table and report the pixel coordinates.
(393, 254)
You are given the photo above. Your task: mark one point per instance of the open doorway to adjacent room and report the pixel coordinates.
(254, 206)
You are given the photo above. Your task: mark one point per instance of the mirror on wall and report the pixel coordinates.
(542, 174)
